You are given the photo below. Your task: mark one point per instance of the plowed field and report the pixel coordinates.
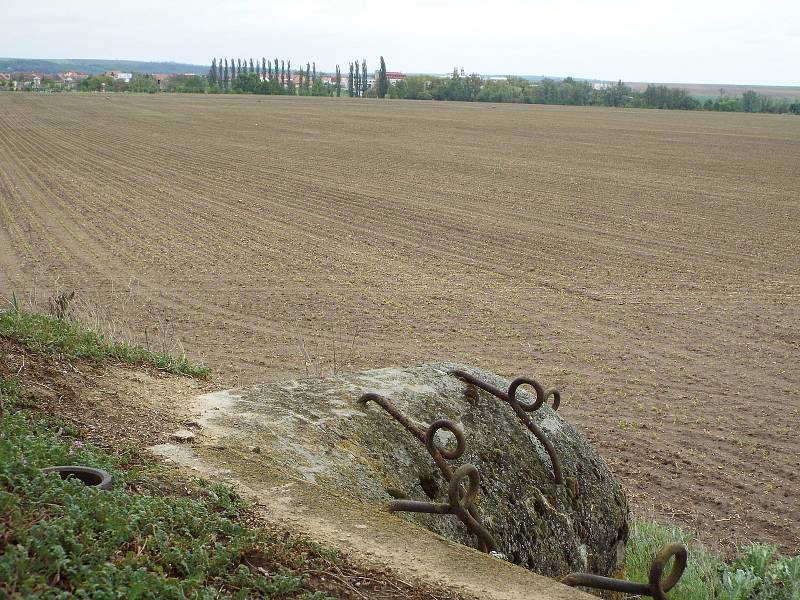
(646, 262)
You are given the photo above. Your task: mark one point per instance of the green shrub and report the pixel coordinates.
(760, 574)
(757, 574)
(71, 340)
(647, 539)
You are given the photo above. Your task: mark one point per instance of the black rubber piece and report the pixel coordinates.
(88, 475)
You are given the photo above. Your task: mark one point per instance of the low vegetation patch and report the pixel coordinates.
(759, 573)
(60, 538)
(71, 340)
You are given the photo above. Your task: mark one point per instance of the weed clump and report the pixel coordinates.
(70, 340)
(61, 539)
(757, 574)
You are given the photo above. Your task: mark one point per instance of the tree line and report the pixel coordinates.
(569, 91)
(271, 76)
(251, 76)
(274, 77)
(145, 83)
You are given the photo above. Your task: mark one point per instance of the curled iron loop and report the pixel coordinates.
(522, 410)
(537, 387)
(430, 439)
(658, 587)
(459, 504)
(542, 395)
(457, 499)
(655, 587)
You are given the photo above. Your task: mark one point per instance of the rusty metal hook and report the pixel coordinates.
(468, 513)
(459, 504)
(654, 587)
(542, 394)
(390, 408)
(521, 410)
(430, 439)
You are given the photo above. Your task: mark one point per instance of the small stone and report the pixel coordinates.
(396, 493)
(256, 449)
(182, 437)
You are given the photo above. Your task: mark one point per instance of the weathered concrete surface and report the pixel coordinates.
(313, 430)
(366, 535)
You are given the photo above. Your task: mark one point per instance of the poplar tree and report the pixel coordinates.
(289, 83)
(220, 80)
(283, 72)
(349, 81)
(269, 66)
(264, 68)
(338, 81)
(364, 78)
(314, 73)
(225, 79)
(383, 81)
(357, 82)
(252, 70)
(212, 72)
(308, 74)
(300, 83)
(233, 70)
(276, 68)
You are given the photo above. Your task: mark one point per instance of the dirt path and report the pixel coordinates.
(645, 262)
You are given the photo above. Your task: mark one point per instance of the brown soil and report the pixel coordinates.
(645, 262)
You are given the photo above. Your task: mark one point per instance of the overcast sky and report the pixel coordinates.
(634, 40)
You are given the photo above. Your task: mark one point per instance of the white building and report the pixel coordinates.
(126, 77)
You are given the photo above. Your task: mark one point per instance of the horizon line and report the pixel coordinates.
(434, 73)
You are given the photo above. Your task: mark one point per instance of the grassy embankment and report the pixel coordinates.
(59, 538)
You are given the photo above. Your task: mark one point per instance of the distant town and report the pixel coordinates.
(70, 80)
(110, 81)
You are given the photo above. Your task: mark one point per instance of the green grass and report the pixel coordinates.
(61, 539)
(759, 573)
(47, 335)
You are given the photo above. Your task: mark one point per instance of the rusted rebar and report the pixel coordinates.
(465, 509)
(521, 409)
(654, 587)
